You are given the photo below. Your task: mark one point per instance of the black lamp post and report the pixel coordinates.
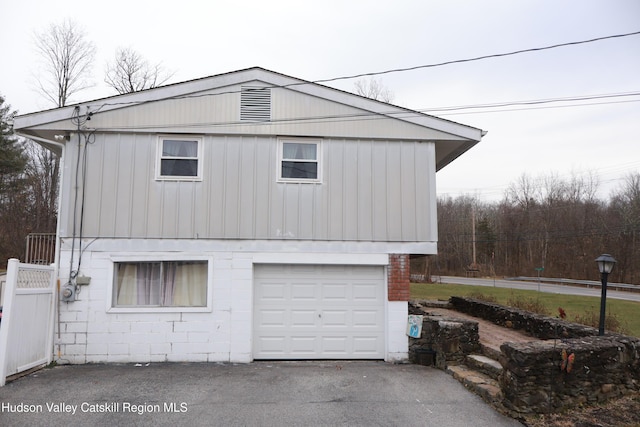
(605, 265)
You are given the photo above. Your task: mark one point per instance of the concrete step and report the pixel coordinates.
(491, 352)
(479, 383)
(484, 364)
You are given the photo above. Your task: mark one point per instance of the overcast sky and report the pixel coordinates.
(333, 38)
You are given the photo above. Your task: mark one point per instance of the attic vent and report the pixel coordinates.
(255, 104)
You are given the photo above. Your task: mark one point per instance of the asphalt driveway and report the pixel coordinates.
(256, 394)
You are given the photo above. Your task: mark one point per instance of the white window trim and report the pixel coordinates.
(155, 309)
(200, 158)
(317, 142)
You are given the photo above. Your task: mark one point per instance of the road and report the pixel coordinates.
(544, 287)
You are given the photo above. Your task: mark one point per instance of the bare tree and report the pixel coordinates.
(373, 89)
(41, 173)
(623, 222)
(67, 58)
(130, 72)
(550, 222)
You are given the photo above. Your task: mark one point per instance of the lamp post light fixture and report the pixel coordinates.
(605, 265)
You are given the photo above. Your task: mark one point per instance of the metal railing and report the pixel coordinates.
(41, 248)
(575, 282)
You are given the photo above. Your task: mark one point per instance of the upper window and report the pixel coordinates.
(299, 161)
(179, 158)
(160, 284)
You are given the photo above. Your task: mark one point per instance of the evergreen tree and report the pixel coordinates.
(12, 156)
(14, 199)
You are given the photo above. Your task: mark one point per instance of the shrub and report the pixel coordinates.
(482, 297)
(592, 318)
(533, 305)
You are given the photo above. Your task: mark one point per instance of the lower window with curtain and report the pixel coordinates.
(160, 284)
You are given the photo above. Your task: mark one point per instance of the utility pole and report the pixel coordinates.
(473, 234)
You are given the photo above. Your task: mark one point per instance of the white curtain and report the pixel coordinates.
(188, 290)
(174, 148)
(298, 151)
(181, 284)
(148, 283)
(126, 284)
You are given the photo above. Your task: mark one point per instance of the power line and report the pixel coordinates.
(540, 108)
(477, 58)
(534, 101)
(395, 70)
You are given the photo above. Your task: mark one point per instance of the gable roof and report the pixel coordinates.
(208, 105)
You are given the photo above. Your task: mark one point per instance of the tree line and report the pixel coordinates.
(549, 226)
(29, 173)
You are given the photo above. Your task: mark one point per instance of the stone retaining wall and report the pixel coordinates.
(534, 378)
(536, 325)
(446, 340)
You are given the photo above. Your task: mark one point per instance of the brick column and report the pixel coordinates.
(398, 277)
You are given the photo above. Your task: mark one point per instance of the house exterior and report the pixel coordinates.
(238, 217)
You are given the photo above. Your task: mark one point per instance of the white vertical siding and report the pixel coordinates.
(350, 165)
(232, 189)
(263, 195)
(395, 192)
(365, 193)
(380, 196)
(408, 170)
(335, 205)
(372, 190)
(142, 172)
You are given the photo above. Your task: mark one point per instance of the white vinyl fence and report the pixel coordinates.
(26, 330)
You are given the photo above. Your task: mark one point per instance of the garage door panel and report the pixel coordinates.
(366, 345)
(318, 312)
(303, 344)
(335, 318)
(273, 345)
(274, 291)
(303, 318)
(301, 292)
(273, 318)
(366, 292)
(335, 292)
(335, 345)
(367, 318)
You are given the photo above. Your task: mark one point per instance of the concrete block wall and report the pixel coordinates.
(90, 331)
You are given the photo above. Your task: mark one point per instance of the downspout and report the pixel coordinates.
(56, 260)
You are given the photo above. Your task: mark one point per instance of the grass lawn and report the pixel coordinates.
(621, 315)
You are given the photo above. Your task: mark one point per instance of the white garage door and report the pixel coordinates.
(318, 312)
